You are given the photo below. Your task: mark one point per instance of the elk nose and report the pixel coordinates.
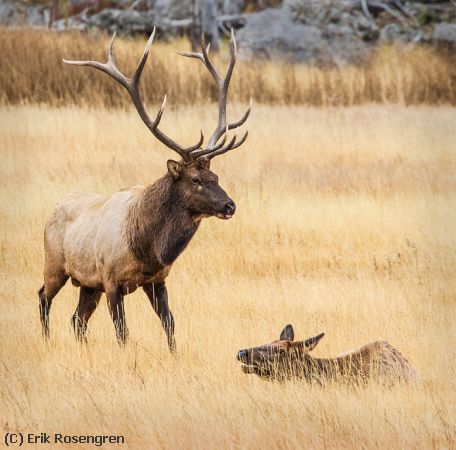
(230, 208)
(241, 355)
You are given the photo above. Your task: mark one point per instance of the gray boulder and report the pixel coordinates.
(273, 33)
(390, 32)
(231, 6)
(284, 38)
(126, 22)
(313, 12)
(445, 33)
(15, 13)
(394, 32)
(7, 13)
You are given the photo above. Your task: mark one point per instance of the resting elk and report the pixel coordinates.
(130, 239)
(285, 359)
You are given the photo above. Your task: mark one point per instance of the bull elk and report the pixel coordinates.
(131, 238)
(285, 359)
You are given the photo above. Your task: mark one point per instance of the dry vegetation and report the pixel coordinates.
(32, 71)
(345, 224)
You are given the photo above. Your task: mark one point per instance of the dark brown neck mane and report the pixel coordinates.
(159, 225)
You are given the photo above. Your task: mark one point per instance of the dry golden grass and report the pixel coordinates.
(345, 224)
(32, 71)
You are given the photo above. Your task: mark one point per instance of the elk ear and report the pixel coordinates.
(312, 342)
(174, 168)
(287, 333)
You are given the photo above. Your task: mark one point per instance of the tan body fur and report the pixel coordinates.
(86, 239)
(377, 360)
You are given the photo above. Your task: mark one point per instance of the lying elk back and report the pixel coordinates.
(131, 238)
(285, 359)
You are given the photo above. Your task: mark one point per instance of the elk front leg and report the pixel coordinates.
(116, 308)
(88, 301)
(158, 297)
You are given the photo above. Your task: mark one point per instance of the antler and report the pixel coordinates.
(132, 87)
(188, 154)
(214, 149)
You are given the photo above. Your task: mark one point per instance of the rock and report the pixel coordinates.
(173, 9)
(394, 32)
(314, 31)
(445, 33)
(14, 14)
(124, 21)
(233, 7)
(390, 32)
(346, 18)
(68, 24)
(293, 41)
(313, 12)
(361, 23)
(37, 16)
(7, 13)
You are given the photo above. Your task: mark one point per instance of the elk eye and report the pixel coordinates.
(196, 180)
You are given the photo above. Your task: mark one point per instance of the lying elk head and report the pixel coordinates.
(279, 359)
(193, 179)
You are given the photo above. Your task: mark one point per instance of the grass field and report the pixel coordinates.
(407, 75)
(345, 224)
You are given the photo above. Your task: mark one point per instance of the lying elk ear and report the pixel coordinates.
(287, 333)
(174, 168)
(312, 342)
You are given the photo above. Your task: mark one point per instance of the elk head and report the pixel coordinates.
(191, 174)
(279, 359)
(198, 187)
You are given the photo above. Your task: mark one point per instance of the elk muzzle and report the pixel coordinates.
(248, 365)
(228, 211)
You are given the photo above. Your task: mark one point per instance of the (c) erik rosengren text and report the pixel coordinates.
(19, 439)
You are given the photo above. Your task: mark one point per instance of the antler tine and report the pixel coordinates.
(219, 149)
(110, 67)
(142, 62)
(223, 95)
(192, 55)
(241, 121)
(132, 86)
(222, 142)
(111, 48)
(228, 147)
(199, 153)
(204, 58)
(223, 127)
(160, 112)
(229, 72)
(212, 70)
(197, 145)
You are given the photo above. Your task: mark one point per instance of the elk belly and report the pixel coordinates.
(128, 287)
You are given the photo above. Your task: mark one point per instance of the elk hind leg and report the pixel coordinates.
(88, 301)
(51, 287)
